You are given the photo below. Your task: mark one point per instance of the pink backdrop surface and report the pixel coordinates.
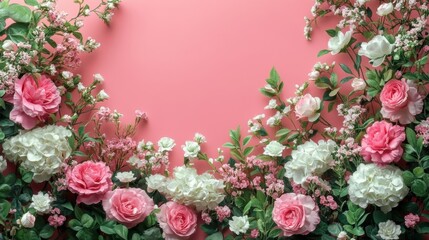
(196, 66)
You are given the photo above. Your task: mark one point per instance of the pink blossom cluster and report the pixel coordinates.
(411, 220)
(222, 212)
(56, 219)
(351, 117)
(422, 130)
(68, 51)
(328, 201)
(121, 146)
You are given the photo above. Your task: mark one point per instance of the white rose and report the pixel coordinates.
(27, 220)
(308, 107)
(339, 42)
(125, 177)
(310, 159)
(388, 230)
(41, 202)
(3, 164)
(274, 149)
(239, 224)
(102, 95)
(385, 9)
(358, 84)
(380, 186)
(166, 144)
(376, 50)
(8, 45)
(155, 182)
(191, 149)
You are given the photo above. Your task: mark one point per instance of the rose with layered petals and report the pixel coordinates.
(34, 100)
(376, 50)
(177, 221)
(308, 107)
(382, 143)
(90, 180)
(400, 101)
(128, 206)
(296, 214)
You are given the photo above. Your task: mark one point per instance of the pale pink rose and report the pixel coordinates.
(382, 143)
(34, 100)
(177, 221)
(308, 107)
(90, 180)
(400, 101)
(128, 206)
(296, 214)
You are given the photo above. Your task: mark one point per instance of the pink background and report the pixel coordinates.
(196, 66)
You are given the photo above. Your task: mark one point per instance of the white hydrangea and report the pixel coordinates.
(41, 202)
(188, 188)
(310, 159)
(239, 224)
(166, 144)
(41, 150)
(380, 186)
(388, 230)
(3, 164)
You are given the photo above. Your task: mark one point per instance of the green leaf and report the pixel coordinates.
(87, 220)
(346, 79)
(19, 13)
(215, 236)
(345, 68)
(423, 228)
(47, 231)
(419, 172)
(274, 233)
(246, 140)
(247, 151)
(107, 230)
(5, 191)
(122, 231)
(4, 208)
(75, 225)
(332, 32)
(323, 52)
(408, 177)
(32, 2)
(335, 229)
(419, 187)
(411, 137)
(17, 32)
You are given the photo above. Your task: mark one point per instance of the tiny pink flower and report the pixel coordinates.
(382, 143)
(411, 220)
(400, 101)
(254, 233)
(296, 214)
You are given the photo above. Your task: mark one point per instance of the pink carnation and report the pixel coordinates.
(296, 214)
(34, 100)
(128, 206)
(400, 101)
(382, 143)
(90, 180)
(411, 220)
(177, 221)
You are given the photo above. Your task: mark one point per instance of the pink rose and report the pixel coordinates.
(128, 206)
(296, 214)
(400, 101)
(177, 221)
(34, 100)
(90, 180)
(382, 143)
(308, 107)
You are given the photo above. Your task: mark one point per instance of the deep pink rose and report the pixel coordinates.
(382, 143)
(90, 180)
(296, 214)
(400, 101)
(177, 221)
(34, 100)
(128, 206)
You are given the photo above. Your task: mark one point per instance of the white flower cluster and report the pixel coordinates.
(383, 187)
(41, 150)
(310, 158)
(188, 188)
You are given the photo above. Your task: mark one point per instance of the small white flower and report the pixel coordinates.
(98, 78)
(274, 149)
(66, 74)
(191, 149)
(199, 138)
(3, 164)
(80, 87)
(239, 224)
(135, 161)
(166, 144)
(102, 95)
(339, 42)
(376, 50)
(385, 9)
(388, 230)
(358, 84)
(8, 45)
(313, 75)
(362, 2)
(41, 202)
(125, 177)
(342, 236)
(86, 12)
(27, 220)
(259, 117)
(272, 104)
